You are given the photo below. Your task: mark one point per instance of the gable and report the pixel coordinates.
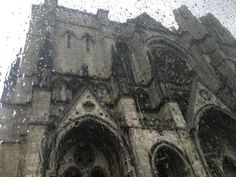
(85, 105)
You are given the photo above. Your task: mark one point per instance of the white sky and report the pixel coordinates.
(15, 17)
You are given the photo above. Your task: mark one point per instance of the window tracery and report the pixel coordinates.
(84, 155)
(167, 162)
(84, 160)
(215, 128)
(170, 67)
(68, 35)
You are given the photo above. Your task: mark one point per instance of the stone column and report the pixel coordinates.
(37, 126)
(185, 137)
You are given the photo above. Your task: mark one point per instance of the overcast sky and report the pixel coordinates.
(15, 17)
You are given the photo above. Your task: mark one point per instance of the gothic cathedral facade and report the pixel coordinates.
(91, 97)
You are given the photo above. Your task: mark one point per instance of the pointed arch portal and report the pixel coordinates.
(90, 148)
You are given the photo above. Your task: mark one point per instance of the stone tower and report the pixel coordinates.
(90, 97)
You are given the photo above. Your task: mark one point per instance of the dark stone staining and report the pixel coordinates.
(85, 70)
(45, 62)
(75, 85)
(182, 98)
(88, 39)
(88, 106)
(68, 40)
(72, 172)
(61, 91)
(229, 167)
(226, 90)
(121, 67)
(143, 100)
(151, 121)
(98, 172)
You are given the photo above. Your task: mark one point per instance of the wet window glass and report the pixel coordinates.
(118, 88)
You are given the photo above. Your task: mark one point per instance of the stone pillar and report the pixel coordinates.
(127, 110)
(37, 126)
(185, 137)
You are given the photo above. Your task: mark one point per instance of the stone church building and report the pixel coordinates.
(91, 97)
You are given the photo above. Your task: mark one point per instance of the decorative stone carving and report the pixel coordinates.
(170, 67)
(151, 121)
(204, 95)
(142, 99)
(88, 106)
(85, 70)
(216, 130)
(90, 149)
(72, 172)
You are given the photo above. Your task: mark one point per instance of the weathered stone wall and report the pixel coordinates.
(11, 155)
(142, 86)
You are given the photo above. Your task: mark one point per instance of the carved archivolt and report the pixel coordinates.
(89, 147)
(214, 134)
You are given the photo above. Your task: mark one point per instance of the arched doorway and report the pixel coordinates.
(216, 135)
(167, 161)
(89, 148)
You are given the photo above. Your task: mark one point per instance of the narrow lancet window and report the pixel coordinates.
(88, 38)
(68, 40)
